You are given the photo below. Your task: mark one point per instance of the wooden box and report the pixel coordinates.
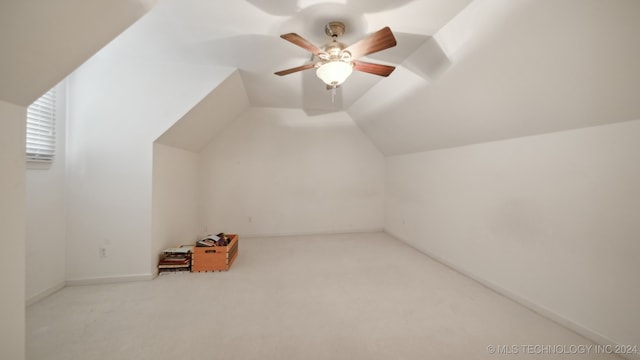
(215, 258)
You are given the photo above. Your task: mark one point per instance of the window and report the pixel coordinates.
(41, 129)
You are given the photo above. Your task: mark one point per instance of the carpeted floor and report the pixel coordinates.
(352, 296)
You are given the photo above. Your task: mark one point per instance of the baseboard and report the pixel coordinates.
(43, 294)
(109, 279)
(311, 233)
(541, 310)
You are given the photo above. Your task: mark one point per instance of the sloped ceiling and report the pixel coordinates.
(42, 42)
(205, 120)
(245, 34)
(467, 71)
(528, 67)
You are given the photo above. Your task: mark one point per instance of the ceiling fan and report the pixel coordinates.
(335, 61)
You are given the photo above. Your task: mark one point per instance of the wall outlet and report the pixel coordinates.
(103, 252)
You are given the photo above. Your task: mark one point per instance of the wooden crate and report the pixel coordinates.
(215, 258)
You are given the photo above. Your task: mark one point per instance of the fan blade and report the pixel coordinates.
(295, 69)
(376, 69)
(303, 43)
(378, 41)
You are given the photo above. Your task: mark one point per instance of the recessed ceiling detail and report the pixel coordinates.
(466, 71)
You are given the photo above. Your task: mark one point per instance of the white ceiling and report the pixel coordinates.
(245, 34)
(197, 127)
(41, 42)
(529, 67)
(467, 71)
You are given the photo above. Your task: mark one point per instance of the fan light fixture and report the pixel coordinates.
(334, 73)
(334, 61)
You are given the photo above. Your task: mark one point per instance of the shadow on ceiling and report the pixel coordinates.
(258, 56)
(290, 7)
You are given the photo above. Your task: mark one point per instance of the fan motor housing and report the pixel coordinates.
(334, 29)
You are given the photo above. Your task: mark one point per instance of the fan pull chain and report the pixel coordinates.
(333, 95)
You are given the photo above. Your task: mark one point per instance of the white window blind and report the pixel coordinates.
(41, 131)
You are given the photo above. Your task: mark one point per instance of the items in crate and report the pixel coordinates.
(215, 258)
(214, 240)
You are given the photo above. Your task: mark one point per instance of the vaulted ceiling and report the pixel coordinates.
(41, 42)
(468, 71)
(245, 35)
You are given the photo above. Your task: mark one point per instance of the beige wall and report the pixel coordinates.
(12, 230)
(551, 220)
(280, 171)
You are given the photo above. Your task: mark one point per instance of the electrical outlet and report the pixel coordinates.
(103, 252)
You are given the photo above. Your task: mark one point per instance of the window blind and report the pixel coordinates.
(41, 132)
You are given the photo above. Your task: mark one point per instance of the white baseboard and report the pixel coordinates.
(539, 309)
(43, 294)
(311, 233)
(109, 279)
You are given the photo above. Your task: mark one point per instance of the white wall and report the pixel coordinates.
(118, 105)
(279, 171)
(46, 216)
(12, 230)
(175, 218)
(551, 220)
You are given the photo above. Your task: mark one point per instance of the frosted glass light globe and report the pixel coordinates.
(334, 73)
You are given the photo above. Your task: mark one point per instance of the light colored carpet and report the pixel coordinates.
(353, 296)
